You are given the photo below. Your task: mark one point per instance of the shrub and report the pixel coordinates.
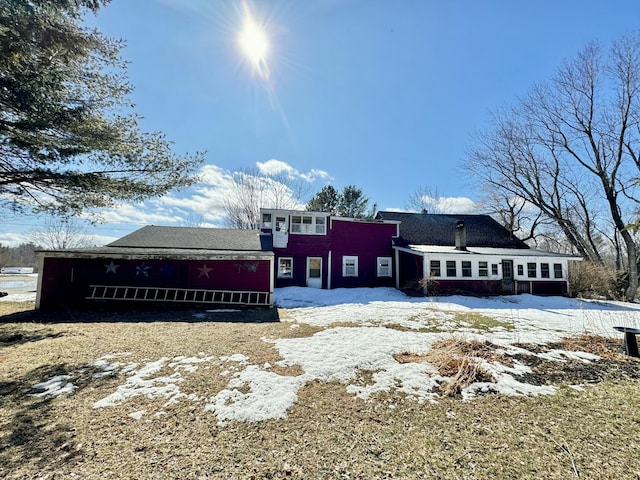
(590, 280)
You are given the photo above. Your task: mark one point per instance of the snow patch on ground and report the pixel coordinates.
(383, 323)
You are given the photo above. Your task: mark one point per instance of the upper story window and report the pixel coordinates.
(531, 270)
(308, 224)
(266, 220)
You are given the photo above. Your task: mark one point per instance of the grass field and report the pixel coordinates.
(592, 432)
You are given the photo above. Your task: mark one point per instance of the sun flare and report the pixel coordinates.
(255, 44)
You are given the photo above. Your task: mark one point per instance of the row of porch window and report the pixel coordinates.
(451, 269)
(349, 267)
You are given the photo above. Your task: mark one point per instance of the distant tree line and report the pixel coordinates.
(20, 256)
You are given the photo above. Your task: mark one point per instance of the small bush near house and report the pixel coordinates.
(590, 280)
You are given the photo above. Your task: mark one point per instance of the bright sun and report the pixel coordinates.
(255, 45)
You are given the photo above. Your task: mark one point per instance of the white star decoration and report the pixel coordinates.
(111, 268)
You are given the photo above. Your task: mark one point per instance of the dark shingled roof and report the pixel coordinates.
(439, 229)
(193, 238)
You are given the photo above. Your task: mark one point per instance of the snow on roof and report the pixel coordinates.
(501, 252)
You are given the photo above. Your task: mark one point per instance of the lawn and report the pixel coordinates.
(196, 394)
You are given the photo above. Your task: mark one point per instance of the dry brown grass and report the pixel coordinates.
(460, 360)
(328, 433)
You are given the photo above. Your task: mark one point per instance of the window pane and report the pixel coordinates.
(494, 269)
(266, 220)
(285, 268)
(296, 224)
(557, 270)
(544, 270)
(435, 268)
(531, 270)
(451, 268)
(520, 270)
(466, 269)
(320, 225)
(384, 266)
(350, 266)
(483, 269)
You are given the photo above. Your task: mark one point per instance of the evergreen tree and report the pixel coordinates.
(326, 200)
(69, 140)
(351, 202)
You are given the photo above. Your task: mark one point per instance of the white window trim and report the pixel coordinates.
(291, 273)
(349, 259)
(389, 267)
(313, 226)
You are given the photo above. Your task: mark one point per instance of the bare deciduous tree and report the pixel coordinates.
(571, 148)
(425, 199)
(62, 234)
(252, 190)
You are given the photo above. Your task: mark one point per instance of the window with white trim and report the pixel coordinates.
(434, 267)
(531, 270)
(544, 270)
(384, 266)
(308, 224)
(466, 268)
(285, 267)
(349, 266)
(557, 270)
(483, 269)
(266, 220)
(494, 269)
(451, 268)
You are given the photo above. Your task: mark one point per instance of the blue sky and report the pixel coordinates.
(382, 94)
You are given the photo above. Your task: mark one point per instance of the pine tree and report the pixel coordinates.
(69, 139)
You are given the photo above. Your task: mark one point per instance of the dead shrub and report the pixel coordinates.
(460, 360)
(590, 280)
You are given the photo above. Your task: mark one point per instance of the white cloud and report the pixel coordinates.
(276, 167)
(456, 205)
(451, 205)
(12, 239)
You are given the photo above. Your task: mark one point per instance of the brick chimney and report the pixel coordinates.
(461, 236)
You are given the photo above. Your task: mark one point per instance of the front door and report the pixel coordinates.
(508, 285)
(314, 272)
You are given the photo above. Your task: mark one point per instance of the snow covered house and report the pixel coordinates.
(175, 265)
(472, 254)
(316, 249)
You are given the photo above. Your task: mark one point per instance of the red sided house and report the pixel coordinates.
(315, 249)
(471, 254)
(162, 264)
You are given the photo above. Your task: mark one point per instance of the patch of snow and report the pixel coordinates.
(137, 415)
(53, 387)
